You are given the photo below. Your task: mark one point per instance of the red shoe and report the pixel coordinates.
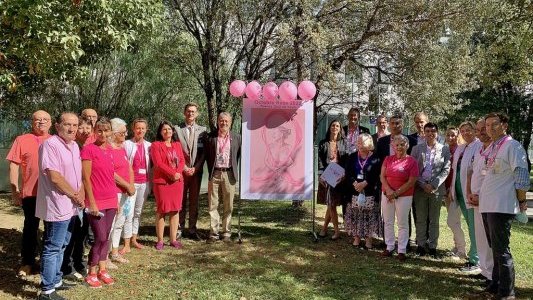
(105, 277)
(92, 281)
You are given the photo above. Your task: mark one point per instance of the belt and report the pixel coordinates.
(223, 169)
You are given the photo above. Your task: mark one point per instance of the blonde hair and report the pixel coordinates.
(367, 141)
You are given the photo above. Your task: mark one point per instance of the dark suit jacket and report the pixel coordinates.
(323, 154)
(362, 129)
(383, 144)
(372, 170)
(211, 142)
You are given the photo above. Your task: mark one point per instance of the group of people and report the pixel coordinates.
(89, 182)
(478, 171)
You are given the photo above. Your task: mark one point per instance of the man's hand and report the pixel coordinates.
(428, 188)
(473, 200)
(523, 205)
(448, 200)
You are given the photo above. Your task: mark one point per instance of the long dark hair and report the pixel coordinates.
(159, 136)
(340, 136)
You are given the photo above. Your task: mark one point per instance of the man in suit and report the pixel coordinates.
(434, 166)
(191, 136)
(420, 119)
(383, 146)
(352, 130)
(381, 126)
(223, 151)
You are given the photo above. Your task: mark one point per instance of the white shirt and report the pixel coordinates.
(498, 193)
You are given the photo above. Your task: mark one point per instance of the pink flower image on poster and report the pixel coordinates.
(278, 165)
(277, 151)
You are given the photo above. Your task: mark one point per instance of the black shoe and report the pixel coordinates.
(477, 276)
(66, 286)
(491, 288)
(52, 296)
(433, 253)
(194, 236)
(420, 251)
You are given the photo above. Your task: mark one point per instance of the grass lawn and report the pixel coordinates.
(277, 260)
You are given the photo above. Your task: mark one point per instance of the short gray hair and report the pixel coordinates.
(224, 113)
(116, 123)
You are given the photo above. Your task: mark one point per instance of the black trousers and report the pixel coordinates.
(29, 243)
(498, 230)
(73, 256)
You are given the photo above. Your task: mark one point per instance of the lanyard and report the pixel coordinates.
(353, 136)
(141, 154)
(489, 161)
(362, 165)
(223, 146)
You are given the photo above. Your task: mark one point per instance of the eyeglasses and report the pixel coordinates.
(41, 120)
(122, 133)
(430, 130)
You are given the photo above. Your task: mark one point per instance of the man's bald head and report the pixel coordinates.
(41, 122)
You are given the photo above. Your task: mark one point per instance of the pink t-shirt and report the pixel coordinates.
(24, 152)
(52, 205)
(122, 167)
(102, 176)
(398, 171)
(139, 163)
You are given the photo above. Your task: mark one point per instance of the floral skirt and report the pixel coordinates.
(363, 221)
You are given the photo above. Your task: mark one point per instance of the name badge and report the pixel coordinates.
(220, 159)
(142, 171)
(360, 176)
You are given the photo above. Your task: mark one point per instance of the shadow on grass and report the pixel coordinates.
(285, 264)
(9, 262)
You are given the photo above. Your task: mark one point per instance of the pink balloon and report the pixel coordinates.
(236, 88)
(253, 90)
(306, 90)
(287, 91)
(270, 91)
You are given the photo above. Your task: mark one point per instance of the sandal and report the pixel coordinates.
(119, 259)
(122, 251)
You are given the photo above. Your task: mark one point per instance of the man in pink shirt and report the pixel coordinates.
(23, 160)
(60, 190)
(223, 150)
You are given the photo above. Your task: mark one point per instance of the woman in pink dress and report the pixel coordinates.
(168, 162)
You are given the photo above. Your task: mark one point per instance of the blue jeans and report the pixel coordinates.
(55, 239)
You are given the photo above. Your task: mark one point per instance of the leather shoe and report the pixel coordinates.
(194, 236)
(66, 286)
(212, 239)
